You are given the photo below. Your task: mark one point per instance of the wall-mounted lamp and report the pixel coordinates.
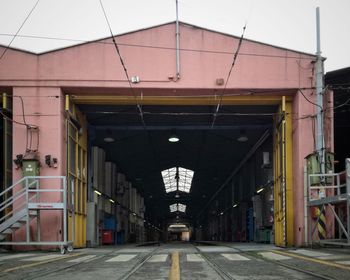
(18, 161)
(135, 79)
(50, 161)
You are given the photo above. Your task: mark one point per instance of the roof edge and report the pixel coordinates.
(151, 27)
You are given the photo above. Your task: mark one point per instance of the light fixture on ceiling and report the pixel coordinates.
(177, 195)
(235, 205)
(242, 136)
(108, 139)
(173, 138)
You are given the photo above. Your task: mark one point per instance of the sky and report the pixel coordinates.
(285, 23)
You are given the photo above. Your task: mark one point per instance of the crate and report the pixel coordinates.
(107, 237)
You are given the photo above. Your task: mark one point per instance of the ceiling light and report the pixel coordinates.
(222, 213)
(97, 192)
(108, 139)
(235, 205)
(260, 190)
(174, 138)
(111, 200)
(242, 136)
(177, 195)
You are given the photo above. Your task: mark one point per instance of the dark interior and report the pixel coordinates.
(142, 152)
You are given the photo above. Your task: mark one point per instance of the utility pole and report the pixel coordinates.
(320, 147)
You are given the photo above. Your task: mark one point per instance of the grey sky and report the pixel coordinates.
(285, 23)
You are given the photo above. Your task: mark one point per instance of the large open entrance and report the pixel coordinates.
(227, 182)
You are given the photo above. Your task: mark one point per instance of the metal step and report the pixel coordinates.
(2, 236)
(16, 225)
(7, 231)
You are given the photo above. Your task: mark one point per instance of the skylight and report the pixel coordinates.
(177, 178)
(177, 207)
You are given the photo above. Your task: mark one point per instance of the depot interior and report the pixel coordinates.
(176, 176)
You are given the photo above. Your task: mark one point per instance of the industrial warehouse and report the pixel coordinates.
(149, 141)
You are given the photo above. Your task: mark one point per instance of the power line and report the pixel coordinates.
(228, 76)
(19, 29)
(308, 100)
(123, 65)
(99, 41)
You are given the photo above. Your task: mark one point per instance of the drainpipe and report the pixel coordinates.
(177, 42)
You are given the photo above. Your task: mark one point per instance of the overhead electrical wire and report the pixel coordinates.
(19, 29)
(99, 41)
(228, 76)
(308, 100)
(123, 65)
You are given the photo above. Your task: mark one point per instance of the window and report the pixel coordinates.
(177, 179)
(177, 207)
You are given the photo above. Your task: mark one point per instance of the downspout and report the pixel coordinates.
(177, 34)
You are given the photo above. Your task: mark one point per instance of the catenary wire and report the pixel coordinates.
(123, 65)
(228, 76)
(19, 29)
(308, 100)
(99, 41)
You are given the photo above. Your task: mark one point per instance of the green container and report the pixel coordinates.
(313, 167)
(31, 167)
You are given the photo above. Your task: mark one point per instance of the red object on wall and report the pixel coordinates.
(107, 237)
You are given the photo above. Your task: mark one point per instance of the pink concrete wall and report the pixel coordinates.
(95, 68)
(43, 108)
(97, 64)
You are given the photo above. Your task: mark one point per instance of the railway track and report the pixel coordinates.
(125, 276)
(226, 275)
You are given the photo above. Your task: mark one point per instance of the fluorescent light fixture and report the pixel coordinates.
(108, 139)
(97, 192)
(111, 200)
(173, 138)
(235, 205)
(260, 190)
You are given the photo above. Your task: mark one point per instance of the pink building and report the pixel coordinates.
(78, 96)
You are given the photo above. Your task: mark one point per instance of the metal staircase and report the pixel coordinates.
(22, 204)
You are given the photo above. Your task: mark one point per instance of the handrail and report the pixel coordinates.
(24, 196)
(11, 187)
(12, 197)
(13, 200)
(336, 186)
(18, 208)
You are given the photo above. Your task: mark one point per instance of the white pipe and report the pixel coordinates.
(306, 226)
(177, 42)
(319, 92)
